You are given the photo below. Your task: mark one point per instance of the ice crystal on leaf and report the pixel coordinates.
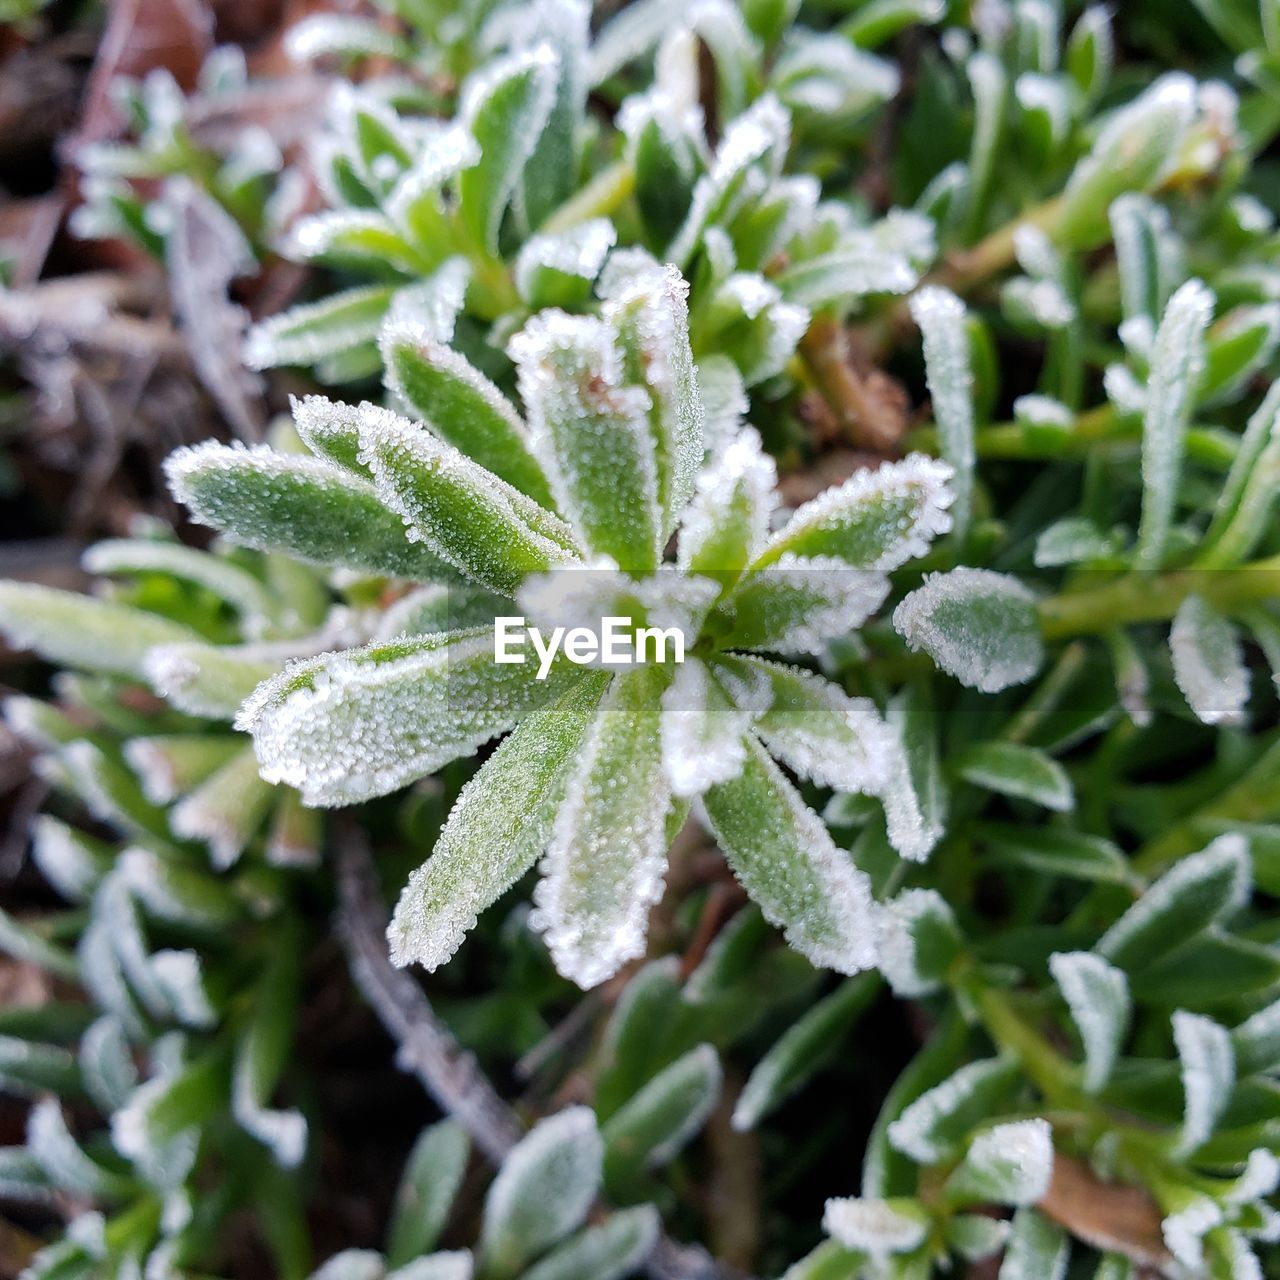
(565, 504)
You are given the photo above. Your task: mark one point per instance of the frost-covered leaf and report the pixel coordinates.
(1075, 540)
(648, 311)
(1025, 773)
(1009, 1163)
(978, 626)
(876, 1227)
(607, 853)
(205, 680)
(1097, 994)
(1090, 51)
(364, 722)
(505, 107)
(1208, 662)
(1208, 1068)
(789, 865)
(558, 269)
(701, 731)
(71, 861)
(1237, 348)
(314, 331)
(917, 941)
(802, 1050)
(351, 1264)
(1257, 1041)
(1177, 359)
(876, 520)
(467, 516)
(941, 317)
(457, 1264)
(759, 135)
(62, 1159)
(306, 508)
(106, 1063)
(591, 434)
(176, 892)
(500, 824)
(1194, 894)
(25, 943)
(933, 1126)
(543, 1190)
(80, 632)
(1130, 153)
(1243, 512)
(651, 1128)
(168, 765)
(325, 34)
(862, 263)
(1057, 851)
(608, 1251)
(461, 405)
(226, 810)
(797, 604)
(29, 1068)
(814, 727)
(1148, 255)
(727, 521)
(1037, 1250)
(974, 1236)
(136, 557)
(432, 1176)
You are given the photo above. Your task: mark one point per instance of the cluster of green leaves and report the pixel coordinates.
(1036, 787)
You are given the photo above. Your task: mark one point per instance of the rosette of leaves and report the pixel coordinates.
(179, 866)
(571, 517)
(524, 195)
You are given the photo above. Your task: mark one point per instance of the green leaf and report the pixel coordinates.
(1208, 1069)
(557, 269)
(1256, 1041)
(489, 531)
(613, 1249)
(208, 680)
(1129, 154)
(933, 1126)
(461, 406)
(1037, 1250)
(1177, 358)
(919, 941)
(785, 858)
(1009, 1163)
(803, 1050)
(636, 1035)
(1056, 850)
(607, 853)
(1097, 994)
(314, 331)
(78, 631)
(346, 726)
(978, 626)
(876, 520)
(829, 1261)
(505, 107)
(647, 309)
(301, 506)
(879, 1228)
(592, 435)
(542, 1192)
(226, 810)
(1237, 348)
(941, 318)
(499, 826)
(652, 1127)
(1091, 51)
(432, 1177)
(1242, 515)
(1024, 773)
(1196, 893)
(1210, 971)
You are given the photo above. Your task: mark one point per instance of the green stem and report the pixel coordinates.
(1151, 597)
(607, 192)
(1052, 1074)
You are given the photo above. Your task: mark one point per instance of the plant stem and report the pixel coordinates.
(1151, 597)
(1048, 1070)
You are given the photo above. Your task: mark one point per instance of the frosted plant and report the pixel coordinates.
(1018, 263)
(611, 434)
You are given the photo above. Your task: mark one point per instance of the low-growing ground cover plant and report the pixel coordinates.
(751, 633)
